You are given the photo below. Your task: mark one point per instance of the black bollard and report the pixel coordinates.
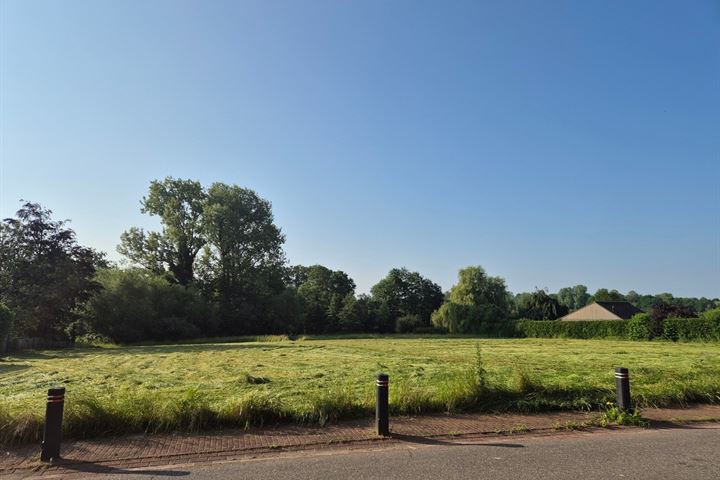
(622, 384)
(382, 413)
(53, 424)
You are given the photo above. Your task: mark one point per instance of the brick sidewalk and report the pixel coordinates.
(153, 450)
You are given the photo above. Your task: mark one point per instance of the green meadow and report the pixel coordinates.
(187, 387)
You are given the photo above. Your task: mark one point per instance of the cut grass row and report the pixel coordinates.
(190, 387)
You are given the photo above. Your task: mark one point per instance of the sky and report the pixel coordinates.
(554, 143)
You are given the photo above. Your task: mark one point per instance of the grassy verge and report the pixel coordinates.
(190, 387)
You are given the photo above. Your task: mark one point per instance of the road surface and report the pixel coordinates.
(673, 453)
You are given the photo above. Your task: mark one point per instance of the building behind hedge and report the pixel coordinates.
(604, 311)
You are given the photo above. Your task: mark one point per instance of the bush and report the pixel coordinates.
(408, 323)
(713, 316)
(643, 327)
(565, 329)
(135, 305)
(687, 329)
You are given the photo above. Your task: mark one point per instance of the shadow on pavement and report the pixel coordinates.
(680, 425)
(435, 441)
(90, 467)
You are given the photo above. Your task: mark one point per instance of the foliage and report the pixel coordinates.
(573, 298)
(180, 205)
(6, 323)
(44, 274)
(575, 329)
(616, 416)
(324, 294)
(539, 306)
(409, 323)
(136, 305)
(155, 388)
(356, 314)
(244, 256)
(605, 295)
(648, 302)
(663, 310)
(688, 329)
(643, 327)
(403, 293)
(478, 303)
(712, 316)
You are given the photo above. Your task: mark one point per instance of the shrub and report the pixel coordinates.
(579, 329)
(642, 327)
(713, 316)
(689, 329)
(664, 310)
(135, 305)
(408, 323)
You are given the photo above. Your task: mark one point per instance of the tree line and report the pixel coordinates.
(217, 268)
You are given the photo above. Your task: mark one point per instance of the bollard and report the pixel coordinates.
(53, 424)
(382, 414)
(622, 384)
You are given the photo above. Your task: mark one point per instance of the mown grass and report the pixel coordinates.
(189, 387)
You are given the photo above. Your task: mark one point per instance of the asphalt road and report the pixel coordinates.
(673, 453)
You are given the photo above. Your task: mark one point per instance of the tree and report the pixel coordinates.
(323, 294)
(6, 325)
(476, 304)
(539, 306)
(573, 297)
(136, 305)
(355, 315)
(180, 205)
(245, 255)
(663, 310)
(605, 295)
(44, 274)
(402, 293)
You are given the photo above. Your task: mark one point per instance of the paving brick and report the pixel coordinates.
(157, 450)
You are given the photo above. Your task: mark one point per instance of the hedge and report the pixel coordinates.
(575, 329)
(640, 327)
(688, 329)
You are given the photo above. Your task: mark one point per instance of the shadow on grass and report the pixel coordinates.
(81, 352)
(12, 367)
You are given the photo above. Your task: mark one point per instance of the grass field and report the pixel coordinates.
(187, 387)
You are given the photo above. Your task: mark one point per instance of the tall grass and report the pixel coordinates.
(190, 388)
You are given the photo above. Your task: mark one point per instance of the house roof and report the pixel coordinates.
(624, 310)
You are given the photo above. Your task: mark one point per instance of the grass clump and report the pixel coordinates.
(256, 380)
(613, 415)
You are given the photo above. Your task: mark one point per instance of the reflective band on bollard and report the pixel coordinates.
(382, 415)
(52, 434)
(622, 385)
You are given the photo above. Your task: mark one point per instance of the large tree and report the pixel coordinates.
(180, 205)
(245, 255)
(476, 304)
(402, 293)
(538, 305)
(605, 295)
(323, 293)
(44, 274)
(573, 297)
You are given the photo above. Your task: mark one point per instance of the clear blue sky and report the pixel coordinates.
(553, 143)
